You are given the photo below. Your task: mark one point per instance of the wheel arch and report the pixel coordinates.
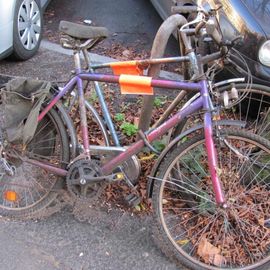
(19, 52)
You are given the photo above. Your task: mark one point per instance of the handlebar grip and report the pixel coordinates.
(184, 9)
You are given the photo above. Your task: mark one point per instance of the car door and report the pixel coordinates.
(163, 7)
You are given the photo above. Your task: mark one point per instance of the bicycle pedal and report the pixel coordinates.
(132, 200)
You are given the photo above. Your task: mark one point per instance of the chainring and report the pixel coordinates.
(89, 192)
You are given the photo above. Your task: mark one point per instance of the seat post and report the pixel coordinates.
(77, 61)
(86, 59)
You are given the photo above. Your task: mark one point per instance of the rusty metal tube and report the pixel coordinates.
(158, 48)
(170, 109)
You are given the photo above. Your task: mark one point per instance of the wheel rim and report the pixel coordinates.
(29, 24)
(195, 243)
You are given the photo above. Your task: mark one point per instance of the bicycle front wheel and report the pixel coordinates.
(253, 110)
(191, 229)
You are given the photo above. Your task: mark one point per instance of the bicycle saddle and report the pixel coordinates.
(83, 31)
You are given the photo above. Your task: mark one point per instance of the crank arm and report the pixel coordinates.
(89, 179)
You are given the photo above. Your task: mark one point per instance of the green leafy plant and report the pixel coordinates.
(159, 145)
(128, 129)
(119, 117)
(192, 162)
(159, 101)
(93, 97)
(184, 139)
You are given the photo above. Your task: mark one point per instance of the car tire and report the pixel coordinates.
(27, 28)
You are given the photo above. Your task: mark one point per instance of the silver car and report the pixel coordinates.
(21, 23)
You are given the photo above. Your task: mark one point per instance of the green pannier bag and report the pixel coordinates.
(21, 101)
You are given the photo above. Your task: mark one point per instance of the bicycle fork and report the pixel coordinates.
(210, 146)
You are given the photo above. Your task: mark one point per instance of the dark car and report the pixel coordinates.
(248, 18)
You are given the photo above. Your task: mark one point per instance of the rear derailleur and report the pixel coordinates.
(5, 167)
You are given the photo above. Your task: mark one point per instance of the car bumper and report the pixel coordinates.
(260, 73)
(6, 53)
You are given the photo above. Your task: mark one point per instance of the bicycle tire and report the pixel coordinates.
(180, 239)
(258, 95)
(31, 183)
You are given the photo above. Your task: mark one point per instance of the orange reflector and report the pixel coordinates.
(10, 195)
(136, 85)
(127, 67)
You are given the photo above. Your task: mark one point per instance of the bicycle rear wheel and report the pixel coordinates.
(31, 188)
(191, 229)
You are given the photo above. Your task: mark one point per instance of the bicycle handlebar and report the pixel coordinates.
(184, 9)
(207, 9)
(209, 21)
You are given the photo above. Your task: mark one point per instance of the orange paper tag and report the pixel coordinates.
(127, 67)
(136, 85)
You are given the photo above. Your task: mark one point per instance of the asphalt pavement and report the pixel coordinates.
(131, 23)
(108, 240)
(112, 239)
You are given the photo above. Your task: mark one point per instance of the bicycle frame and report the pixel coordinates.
(203, 102)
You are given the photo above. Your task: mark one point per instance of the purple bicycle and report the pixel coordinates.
(210, 194)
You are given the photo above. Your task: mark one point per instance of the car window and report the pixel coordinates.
(261, 9)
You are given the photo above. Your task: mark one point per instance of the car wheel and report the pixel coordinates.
(27, 28)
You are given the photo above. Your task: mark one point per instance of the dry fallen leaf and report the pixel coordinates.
(261, 221)
(210, 253)
(136, 121)
(126, 53)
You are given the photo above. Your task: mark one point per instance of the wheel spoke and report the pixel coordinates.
(33, 37)
(29, 40)
(25, 36)
(37, 29)
(28, 8)
(218, 238)
(23, 14)
(22, 26)
(33, 185)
